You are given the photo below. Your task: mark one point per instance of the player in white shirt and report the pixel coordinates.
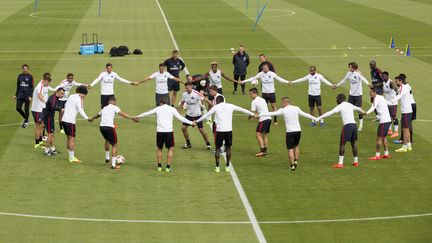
(356, 79)
(192, 99)
(223, 118)
(165, 135)
(259, 106)
(293, 130)
(389, 88)
(161, 77)
(213, 94)
(73, 106)
(267, 78)
(39, 98)
(215, 75)
(108, 130)
(414, 109)
(349, 130)
(67, 85)
(380, 105)
(314, 91)
(404, 95)
(107, 79)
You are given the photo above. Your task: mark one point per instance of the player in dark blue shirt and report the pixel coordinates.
(174, 65)
(51, 106)
(24, 93)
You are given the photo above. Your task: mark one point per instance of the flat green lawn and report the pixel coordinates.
(294, 35)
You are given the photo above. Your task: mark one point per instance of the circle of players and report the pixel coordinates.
(207, 89)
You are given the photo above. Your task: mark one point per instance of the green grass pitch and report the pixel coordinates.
(294, 34)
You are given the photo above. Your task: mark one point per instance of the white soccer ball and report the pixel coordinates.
(255, 82)
(120, 160)
(203, 82)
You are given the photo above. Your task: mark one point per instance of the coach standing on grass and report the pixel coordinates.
(241, 62)
(174, 66)
(23, 94)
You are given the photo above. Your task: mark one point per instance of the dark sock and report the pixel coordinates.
(208, 143)
(227, 164)
(168, 166)
(217, 164)
(262, 150)
(159, 165)
(40, 139)
(265, 149)
(36, 141)
(275, 119)
(188, 142)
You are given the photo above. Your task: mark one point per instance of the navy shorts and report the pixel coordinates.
(37, 116)
(173, 85)
(69, 128)
(406, 120)
(264, 126)
(194, 118)
(159, 96)
(165, 138)
(224, 136)
(393, 111)
(105, 100)
(269, 97)
(355, 100)
(349, 133)
(49, 124)
(109, 134)
(414, 113)
(239, 77)
(292, 139)
(314, 100)
(382, 129)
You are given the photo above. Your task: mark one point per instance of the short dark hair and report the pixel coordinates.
(82, 90)
(108, 65)
(402, 75)
(402, 78)
(220, 99)
(69, 75)
(254, 90)
(262, 55)
(60, 89)
(163, 100)
(353, 65)
(24, 65)
(213, 87)
(385, 73)
(340, 98)
(285, 98)
(241, 45)
(112, 98)
(314, 68)
(174, 51)
(161, 65)
(47, 76)
(188, 83)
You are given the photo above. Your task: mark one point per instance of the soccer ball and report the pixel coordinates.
(203, 83)
(120, 160)
(255, 82)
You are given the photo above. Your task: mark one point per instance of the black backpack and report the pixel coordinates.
(124, 50)
(137, 52)
(114, 52)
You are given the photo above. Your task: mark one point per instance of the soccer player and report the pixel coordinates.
(40, 96)
(165, 135)
(314, 91)
(355, 78)
(73, 106)
(268, 88)
(223, 119)
(404, 95)
(66, 85)
(51, 106)
(215, 76)
(162, 79)
(349, 130)
(389, 88)
(192, 99)
(414, 108)
(293, 130)
(108, 130)
(263, 61)
(174, 66)
(107, 83)
(241, 62)
(380, 106)
(23, 93)
(259, 106)
(376, 80)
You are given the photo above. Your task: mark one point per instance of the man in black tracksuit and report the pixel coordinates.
(174, 65)
(23, 94)
(240, 62)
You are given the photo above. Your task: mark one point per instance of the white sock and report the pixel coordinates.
(396, 128)
(377, 154)
(408, 145)
(386, 152)
(47, 150)
(322, 120)
(361, 123)
(113, 161)
(404, 146)
(53, 148)
(341, 158)
(71, 154)
(355, 159)
(107, 155)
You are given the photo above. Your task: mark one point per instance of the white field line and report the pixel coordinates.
(246, 204)
(314, 221)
